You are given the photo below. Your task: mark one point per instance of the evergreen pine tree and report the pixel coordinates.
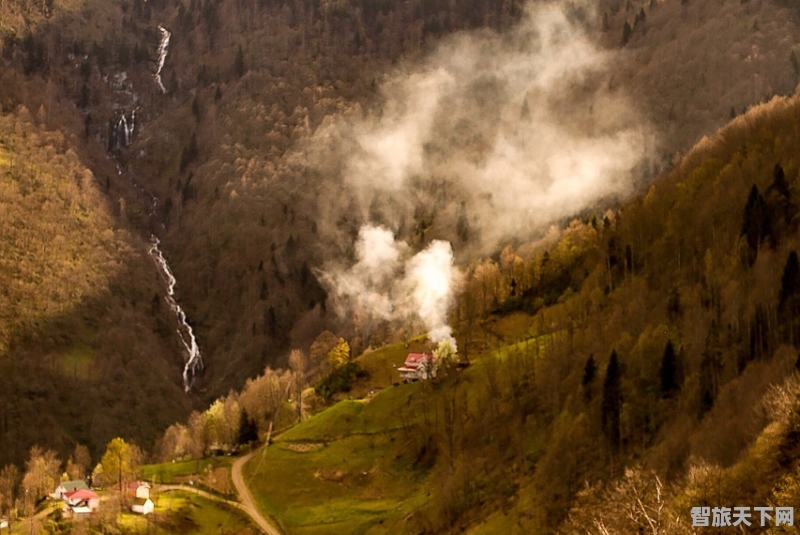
(589, 372)
(238, 64)
(789, 300)
(790, 280)
(627, 31)
(756, 222)
(189, 154)
(668, 372)
(779, 183)
(525, 113)
(248, 432)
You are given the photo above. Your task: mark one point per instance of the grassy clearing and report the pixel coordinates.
(360, 476)
(360, 466)
(175, 472)
(348, 486)
(183, 512)
(513, 521)
(382, 364)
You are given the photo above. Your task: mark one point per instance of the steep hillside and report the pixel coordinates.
(87, 347)
(250, 218)
(243, 165)
(699, 64)
(642, 363)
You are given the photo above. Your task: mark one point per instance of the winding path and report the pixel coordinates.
(244, 494)
(246, 505)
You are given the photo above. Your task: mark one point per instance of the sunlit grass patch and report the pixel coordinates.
(345, 486)
(185, 512)
(172, 472)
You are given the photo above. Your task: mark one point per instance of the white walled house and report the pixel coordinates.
(68, 486)
(82, 501)
(139, 489)
(143, 506)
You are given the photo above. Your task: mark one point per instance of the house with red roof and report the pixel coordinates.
(417, 366)
(82, 500)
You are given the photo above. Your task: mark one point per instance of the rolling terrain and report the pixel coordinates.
(650, 367)
(243, 167)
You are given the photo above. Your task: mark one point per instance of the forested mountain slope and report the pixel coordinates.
(245, 182)
(639, 364)
(698, 64)
(669, 381)
(225, 165)
(87, 346)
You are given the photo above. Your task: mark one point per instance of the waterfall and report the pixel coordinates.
(162, 55)
(120, 132)
(194, 362)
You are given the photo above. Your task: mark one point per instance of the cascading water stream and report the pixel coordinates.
(162, 55)
(120, 133)
(194, 362)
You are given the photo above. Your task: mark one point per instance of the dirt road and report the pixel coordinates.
(244, 494)
(246, 504)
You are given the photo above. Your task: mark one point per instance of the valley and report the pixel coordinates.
(225, 222)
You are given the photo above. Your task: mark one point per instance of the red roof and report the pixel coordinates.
(413, 359)
(81, 494)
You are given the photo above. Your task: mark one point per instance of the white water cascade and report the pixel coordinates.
(120, 133)
(162, 55)
(194, 362)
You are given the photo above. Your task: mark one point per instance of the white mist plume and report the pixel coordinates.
(430, 277)
(363, 287)
(505, 134)
(525, 127)
(388, 283)
(392, 149)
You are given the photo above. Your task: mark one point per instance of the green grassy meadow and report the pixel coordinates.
(168, 473)
(181, 512)
(364, 466)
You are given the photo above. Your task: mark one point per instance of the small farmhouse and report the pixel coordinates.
(68, 486)
(418, 366)
(143, 506)
(82, 501)
(139, 489)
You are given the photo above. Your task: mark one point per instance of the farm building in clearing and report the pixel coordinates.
(68, 486)
(82, 501)
(143, 506)
(418, 366)
(138, 489)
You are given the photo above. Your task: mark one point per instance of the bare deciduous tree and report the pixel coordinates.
(298, 362)
(41, 473)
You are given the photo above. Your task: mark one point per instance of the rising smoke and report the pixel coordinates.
(490, 139)
(390, 284)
